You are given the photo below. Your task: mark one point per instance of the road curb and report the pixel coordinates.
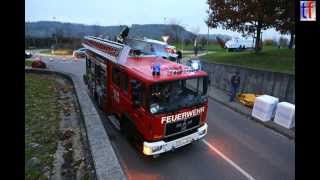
(106, 163)
(290, 136)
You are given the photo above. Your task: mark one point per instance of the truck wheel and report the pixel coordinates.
(123, 127)
(85, 79)
(131, 133)
(100, 102)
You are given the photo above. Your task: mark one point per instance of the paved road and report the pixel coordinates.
(234, 148)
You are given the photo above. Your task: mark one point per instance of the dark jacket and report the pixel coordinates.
(235, 80)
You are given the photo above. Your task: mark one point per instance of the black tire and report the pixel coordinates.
(130, 132)
(85, 79)
(124, 127)
(100, 102)
(95, 96)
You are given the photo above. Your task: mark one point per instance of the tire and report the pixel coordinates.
(100, 102)
(85, 79)
(124, 127)
(128, 129)
(95, 96)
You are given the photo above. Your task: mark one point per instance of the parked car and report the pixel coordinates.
(236, 44)
(28, 54)
(38, 64)
(79, 53)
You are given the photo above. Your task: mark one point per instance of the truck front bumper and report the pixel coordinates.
(158, 147)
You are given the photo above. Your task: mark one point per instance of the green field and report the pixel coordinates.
(41, 124)
(270, 58)
(189, 47)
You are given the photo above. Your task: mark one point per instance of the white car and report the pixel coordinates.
(80, 53)
(239, 44)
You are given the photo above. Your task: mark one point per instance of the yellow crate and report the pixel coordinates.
(247, 99)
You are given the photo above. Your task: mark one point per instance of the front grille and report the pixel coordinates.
(181, 126)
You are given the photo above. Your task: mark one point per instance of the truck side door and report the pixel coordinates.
(138, 113)
(124, 93)
(115, 89)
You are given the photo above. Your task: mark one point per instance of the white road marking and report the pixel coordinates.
(247, 175)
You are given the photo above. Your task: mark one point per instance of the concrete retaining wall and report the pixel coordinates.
(276, 84)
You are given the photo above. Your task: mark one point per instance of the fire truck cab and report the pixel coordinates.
(159, 105)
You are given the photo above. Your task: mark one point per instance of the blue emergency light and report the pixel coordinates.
(156, 69)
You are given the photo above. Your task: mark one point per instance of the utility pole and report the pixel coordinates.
(208, 28)
(56, 36)
(181, 35)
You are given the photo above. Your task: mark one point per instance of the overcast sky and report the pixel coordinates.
(190, 13)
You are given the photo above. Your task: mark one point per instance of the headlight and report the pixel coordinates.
(149, 150)
(154, 108)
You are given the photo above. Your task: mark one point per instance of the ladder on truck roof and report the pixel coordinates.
(116, 52)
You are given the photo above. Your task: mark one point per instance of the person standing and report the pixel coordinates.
(235, 83)
(179, 57)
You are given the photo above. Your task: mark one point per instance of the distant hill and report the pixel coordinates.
(48, 28)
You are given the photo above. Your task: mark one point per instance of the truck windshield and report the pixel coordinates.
(147, 48)
(171, 96)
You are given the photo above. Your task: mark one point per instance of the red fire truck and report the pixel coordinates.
(159, 105)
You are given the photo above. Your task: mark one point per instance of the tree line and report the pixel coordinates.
(55, 43)
(250, 17)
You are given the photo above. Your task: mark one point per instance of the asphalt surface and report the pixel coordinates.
(234, 148)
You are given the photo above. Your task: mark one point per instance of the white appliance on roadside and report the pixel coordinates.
(264, 107)
(285, 115)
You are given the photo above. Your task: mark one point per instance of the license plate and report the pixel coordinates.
(182, 142)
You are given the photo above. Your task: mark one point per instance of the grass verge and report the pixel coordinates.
(28, 62)
(270, 59)
(190, 47)
(59, 52)
(41, 124)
